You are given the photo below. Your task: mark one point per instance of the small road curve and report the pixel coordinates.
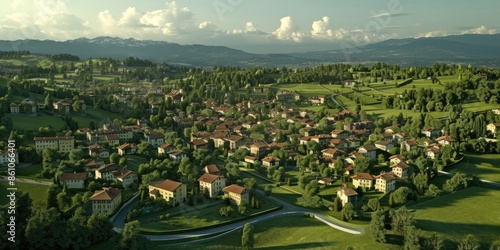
(288, 209)
(338, 103)
(485, 181)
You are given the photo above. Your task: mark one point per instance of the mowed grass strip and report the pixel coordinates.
(38, 193)
(290, 232)
(35, 122)
(485, 166)
(475, 210)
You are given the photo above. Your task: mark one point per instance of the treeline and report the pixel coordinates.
(64, 57)
(137, 62)
(13, 54)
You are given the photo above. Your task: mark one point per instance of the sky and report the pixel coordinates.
(273, 26)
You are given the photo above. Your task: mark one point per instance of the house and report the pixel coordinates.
(431, 132)
(384, 145)
(175, 96)
(175, 193)
(339, 134)
(493, 127)
(14, 108)
(176, 155)
(259, 149)
(128, 179)
(369, 150)
(73, 180)
(445, 140)
(433, 153)
(339, 143)
(408, 145)
(113, 139)
(271, 161)
(349, 83)
(400, 169)
(385, 182)
(6, 157)
(105, 172)
(198, 143)
(155, 138)
(326, 181)
(237, 194)
(235, 141)
(395, 159)
(398, 137)
(105, 201)
(347, 194)
(62, 144)
(211, 184)
(363, 180)
(331, 153)
(391, 129)
(164, 148)
(251, 159)
(211, 169)
(127, 149)
(353, 142)
(99, 151)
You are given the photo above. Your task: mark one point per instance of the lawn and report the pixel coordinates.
(293, 232)
(486, 166)
(133, 162)
(306, 89)
(188, 217)
(83, 120)
(34, 122)
(475, 210)
(102, 115)
(36, 192)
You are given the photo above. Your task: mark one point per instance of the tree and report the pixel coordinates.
(377, 228)
(250, 184)
(226, 211)
(348, 211)
(63, 201)
(401, 220)
(391, 200)
(52, 193)
(420, 182)
(242, 207)
(374, 204)
(247, 238)
(432, 191)
(434, 242)
(411, 239)
(337, 204)
(114, 158)
(400, 195)
(362, 164)
(130, 238)
(470, 242)
(495, 245)
(100, 227)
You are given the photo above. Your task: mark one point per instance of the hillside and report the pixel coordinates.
(480, 50)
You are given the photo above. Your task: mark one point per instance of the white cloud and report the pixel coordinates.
(480, 30)
(16, 3)
(130, 18)
(320, 29)
(207, 25)
(288, 30)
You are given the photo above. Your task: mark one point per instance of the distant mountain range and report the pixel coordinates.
(479, 50)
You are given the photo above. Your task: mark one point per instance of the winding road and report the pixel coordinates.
(118, 221)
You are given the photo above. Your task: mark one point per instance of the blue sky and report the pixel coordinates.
(250, 25)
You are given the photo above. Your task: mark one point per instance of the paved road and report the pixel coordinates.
(288, 210)
(485, 181)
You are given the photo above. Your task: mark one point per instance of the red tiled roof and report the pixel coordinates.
(363, 176)
(105, 194)
(168, 185)
(234, 189)
(73, 176)
(208, 178)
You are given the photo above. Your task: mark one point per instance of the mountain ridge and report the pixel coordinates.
(481, 50)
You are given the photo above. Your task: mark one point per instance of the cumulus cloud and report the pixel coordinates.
(480, 30)
(168, 21)
(249, 28)
(288, 30)
(207, 25)
(320, 29)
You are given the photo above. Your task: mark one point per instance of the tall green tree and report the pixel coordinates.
(247, 237)
(376, 228)
(469, 242)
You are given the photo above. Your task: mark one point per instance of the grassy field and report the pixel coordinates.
(83, 121)
(35, 122)
(294, 232)
(196, 217)
(36, 192)
(486, 166)
(474, 210)
(102, 115)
